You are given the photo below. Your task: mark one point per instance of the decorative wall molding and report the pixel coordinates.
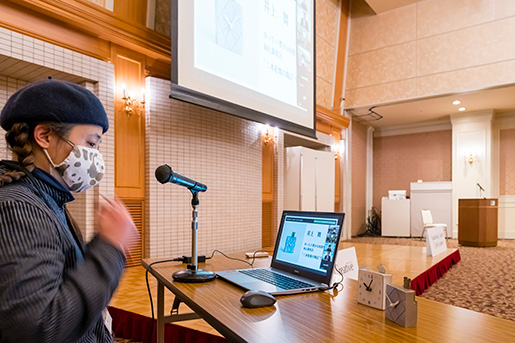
(331, 117)
(472, 117)
(82, 26)
(505, 120)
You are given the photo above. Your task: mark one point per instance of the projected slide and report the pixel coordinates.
(224, 29)
(258, 54)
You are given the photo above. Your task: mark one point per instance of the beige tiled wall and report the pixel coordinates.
(399, 160)
(504, 8)
(7, 87)
(442, 16)
(427, 48)
(327, 27)
(219, 150)
(371, 32)
(381, 66)
(507, 162)
(37, 60)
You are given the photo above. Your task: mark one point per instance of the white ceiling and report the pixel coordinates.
(380, 6)
(499, 99)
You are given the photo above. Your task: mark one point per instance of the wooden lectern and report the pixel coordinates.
(477, 222)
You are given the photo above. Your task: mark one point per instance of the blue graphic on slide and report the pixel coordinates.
(289, 246)
(308, 242)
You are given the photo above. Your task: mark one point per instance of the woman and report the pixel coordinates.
(53, 286)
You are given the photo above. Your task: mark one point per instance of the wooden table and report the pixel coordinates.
(317, 317)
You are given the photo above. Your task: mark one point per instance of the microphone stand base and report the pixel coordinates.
(193, 276)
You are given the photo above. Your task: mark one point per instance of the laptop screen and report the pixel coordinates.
(309, 240)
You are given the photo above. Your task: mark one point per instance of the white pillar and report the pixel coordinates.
(346, 183)
(370, 171)
(471, 158)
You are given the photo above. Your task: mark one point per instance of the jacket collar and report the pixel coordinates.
(42, 182)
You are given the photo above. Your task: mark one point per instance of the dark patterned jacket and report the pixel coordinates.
(52, 287)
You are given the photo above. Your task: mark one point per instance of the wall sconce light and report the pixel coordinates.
(267, 137)
(338, 149)
(131, 105)
(471, 159)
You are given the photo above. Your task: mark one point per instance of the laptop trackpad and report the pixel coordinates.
(262, 286)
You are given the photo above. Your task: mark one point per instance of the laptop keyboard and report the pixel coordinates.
(275, 279)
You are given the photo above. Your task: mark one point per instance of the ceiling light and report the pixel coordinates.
(456, 102)
(461, 109)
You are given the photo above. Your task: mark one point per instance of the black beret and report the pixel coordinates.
(53, 101)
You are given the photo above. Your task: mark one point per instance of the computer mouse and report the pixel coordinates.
(254, 298)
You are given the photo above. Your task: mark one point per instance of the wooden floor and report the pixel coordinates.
(400, 261)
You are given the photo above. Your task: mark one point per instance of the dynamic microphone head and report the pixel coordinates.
(163, 173)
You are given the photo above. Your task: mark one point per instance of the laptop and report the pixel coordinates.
(304, 255)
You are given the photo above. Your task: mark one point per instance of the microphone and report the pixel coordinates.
(481, 188)
(165, 174)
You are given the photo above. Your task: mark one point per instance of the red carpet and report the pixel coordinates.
(139, 328)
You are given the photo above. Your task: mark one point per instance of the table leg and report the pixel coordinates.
(160, 313)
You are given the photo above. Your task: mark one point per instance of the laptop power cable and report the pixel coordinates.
(335, 284)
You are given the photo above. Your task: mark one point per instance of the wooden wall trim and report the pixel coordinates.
(341, 54)
(91, 19)
(332, 118)
(33, 24)
(129, 135)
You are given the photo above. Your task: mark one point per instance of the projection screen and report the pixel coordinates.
(251, 58)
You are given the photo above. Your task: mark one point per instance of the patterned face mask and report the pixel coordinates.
(82, 169)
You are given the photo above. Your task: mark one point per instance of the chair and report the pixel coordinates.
(427, 221)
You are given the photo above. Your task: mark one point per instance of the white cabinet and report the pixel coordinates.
(395, 217)
(309, 180)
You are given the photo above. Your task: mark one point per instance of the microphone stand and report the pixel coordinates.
(193, 274)
(481, 189)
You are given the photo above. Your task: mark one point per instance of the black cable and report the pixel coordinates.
(339, 283)
(148, 288)
(255, 252)
(336, 284)
(238, 259)
(371, 113)
(181, 259)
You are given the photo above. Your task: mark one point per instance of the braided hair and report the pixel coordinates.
(20, 139)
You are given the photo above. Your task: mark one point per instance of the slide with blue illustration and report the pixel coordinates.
(308, 242)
